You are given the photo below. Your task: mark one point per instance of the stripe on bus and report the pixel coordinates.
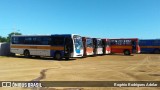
(122, 47)
(149, 46)
(39, 47)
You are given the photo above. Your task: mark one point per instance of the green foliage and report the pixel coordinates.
(11, 34)
(3, 39)
(7, 39)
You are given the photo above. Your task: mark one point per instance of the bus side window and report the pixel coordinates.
(133, 43)
(34, 41)
(58, 40)
(15, 40)
(21, 40)
(38, 40)
(28, 40)
(113, 42)
(45, 41)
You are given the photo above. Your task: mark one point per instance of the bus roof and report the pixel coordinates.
(125, 38)
(64, 34)
(28, 35)
(149, 39)
(42, 35)
(87, 37)
(96, 38)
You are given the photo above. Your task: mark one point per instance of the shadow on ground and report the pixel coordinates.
(41, 58)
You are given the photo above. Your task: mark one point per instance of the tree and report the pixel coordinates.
(13, 33)
(3, 39)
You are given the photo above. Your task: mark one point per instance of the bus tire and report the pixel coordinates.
(58, 56)
(26, 53)
(156, 51)
(127, 52)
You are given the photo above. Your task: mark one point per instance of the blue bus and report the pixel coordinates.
(150, 45)
(58, 45)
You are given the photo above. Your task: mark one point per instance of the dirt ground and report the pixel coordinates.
(139, 67)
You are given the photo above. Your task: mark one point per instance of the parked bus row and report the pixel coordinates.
(68, 46)
(96, 46)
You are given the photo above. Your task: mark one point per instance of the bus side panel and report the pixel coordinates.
(115, 50)
(149, 49)
(145, 50)
(120, 49)
(17, 50)
(53, 52)
(148, 46)
(57, 49)
(41, 52)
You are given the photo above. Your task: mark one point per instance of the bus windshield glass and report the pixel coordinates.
(99, 43)
(120, 42)
(78, 42)
(89, 42)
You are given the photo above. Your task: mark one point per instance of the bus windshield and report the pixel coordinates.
(89, 42)
(78, 42)
(99, 43)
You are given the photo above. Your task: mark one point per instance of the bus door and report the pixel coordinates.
(104, 46)
(134, 48)
(68, 47)
(84, 47)
(94, 46)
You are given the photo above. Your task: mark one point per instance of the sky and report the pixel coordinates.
(92, 18)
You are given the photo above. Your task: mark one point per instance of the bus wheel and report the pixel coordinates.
(156, 51)
(26, 53)
(127, 52)
(58, 56)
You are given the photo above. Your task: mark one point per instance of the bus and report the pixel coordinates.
(150, 45)
(88, 46)
(125, 45)
(98, 47)
(57, 46)
(106, 46)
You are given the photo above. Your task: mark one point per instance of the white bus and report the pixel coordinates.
(98, 47)
(57, 45)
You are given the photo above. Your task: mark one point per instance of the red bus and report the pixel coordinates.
(88, 46)
(106, 46)
(125, 45)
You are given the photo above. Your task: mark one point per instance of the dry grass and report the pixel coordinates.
(101, 68)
